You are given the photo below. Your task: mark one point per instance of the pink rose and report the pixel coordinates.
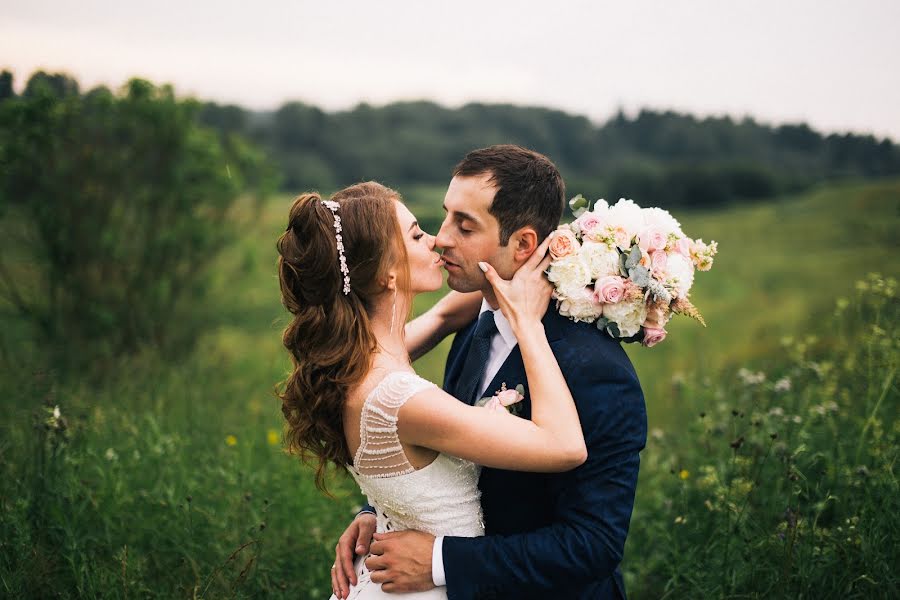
(653, 238)
(590, 225)
(508, 397)
(659, 261)
(610, 289)
(683, 247)
(653, 336)
(563, 243)
(494, 404)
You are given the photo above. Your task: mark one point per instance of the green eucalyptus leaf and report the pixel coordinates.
(623, 269)
(601, 323)
(613, 330)
(634, 258)
(521, 389)
(640, 276)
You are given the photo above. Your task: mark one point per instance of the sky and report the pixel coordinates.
(833, 64)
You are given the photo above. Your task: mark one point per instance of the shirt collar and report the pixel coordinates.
(503, 326)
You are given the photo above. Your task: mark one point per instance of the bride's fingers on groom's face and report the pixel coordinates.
(539, 254)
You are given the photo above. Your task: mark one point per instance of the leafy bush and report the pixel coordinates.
(111, 208)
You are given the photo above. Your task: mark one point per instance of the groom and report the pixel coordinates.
(547, 535)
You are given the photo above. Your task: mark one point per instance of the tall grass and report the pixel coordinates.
(784, 482)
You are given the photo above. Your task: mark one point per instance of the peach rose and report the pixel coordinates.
(563, 243)
(623, 241)
(610, 289)
(653, 336)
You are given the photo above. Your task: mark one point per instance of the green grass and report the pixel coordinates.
(142, 496)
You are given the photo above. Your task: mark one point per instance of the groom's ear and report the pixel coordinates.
(525, 242)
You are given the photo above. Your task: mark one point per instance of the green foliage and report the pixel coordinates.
(783, 484)
(112, 207)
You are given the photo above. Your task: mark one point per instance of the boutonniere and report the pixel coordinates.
(504, 399)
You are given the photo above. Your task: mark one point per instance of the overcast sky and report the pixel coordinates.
(835, 64)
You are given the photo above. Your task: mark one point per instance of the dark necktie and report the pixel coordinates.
(473, 369)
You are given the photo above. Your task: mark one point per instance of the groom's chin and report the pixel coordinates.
(459, 283)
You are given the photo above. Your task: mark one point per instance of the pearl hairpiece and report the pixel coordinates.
(333, 207)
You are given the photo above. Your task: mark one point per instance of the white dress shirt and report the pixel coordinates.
(502, 344)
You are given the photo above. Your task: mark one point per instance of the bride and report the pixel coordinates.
(349, 268)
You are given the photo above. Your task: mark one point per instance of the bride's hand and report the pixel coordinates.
(524, 298)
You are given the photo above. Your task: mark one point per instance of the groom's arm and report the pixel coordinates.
(591, 517)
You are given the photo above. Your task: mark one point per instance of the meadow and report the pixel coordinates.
(769, 471)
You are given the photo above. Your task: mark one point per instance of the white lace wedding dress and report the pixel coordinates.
(441, 498)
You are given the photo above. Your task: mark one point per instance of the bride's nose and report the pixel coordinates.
(431, 239)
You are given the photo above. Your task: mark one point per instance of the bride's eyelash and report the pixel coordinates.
(418, 236)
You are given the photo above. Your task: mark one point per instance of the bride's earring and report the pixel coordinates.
(393, 311)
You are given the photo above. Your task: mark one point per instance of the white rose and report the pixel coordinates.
(628, 315)
(581, 306)
(680, 272)
(661, 219)
(570, 275)
(601, 259)
(627, 215)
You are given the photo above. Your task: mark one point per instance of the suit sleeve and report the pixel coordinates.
(594, 502)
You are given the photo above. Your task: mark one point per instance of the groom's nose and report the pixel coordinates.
(443, 240)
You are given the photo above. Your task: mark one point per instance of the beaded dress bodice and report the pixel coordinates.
(441, 498)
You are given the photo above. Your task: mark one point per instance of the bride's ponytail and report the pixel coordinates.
(330, 337)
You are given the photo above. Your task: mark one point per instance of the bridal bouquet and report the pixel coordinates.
(625, 268)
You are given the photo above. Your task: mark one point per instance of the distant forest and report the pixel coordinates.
(664, 158)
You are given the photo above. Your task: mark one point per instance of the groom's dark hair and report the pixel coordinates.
(530, 190)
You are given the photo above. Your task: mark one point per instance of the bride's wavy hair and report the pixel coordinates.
(330, 337)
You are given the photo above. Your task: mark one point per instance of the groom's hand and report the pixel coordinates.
(355, 541)
(401, 561)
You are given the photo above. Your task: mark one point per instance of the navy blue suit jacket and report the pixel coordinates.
(558, 534)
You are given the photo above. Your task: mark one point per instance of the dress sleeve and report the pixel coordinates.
(380, 453)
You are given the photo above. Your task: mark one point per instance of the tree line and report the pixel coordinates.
(663, 158)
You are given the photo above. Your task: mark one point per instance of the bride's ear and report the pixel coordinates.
(390, 283)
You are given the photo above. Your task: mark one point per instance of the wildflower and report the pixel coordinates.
(273, 437)
(679, 520)
(684, 474)
(783, 385)
(657, 434)
(749, 378)
(111, 455)
(797, 419)
(776, 411)
(230, 440)
(55, 420)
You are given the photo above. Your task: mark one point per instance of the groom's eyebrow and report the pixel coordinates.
(463, 216)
